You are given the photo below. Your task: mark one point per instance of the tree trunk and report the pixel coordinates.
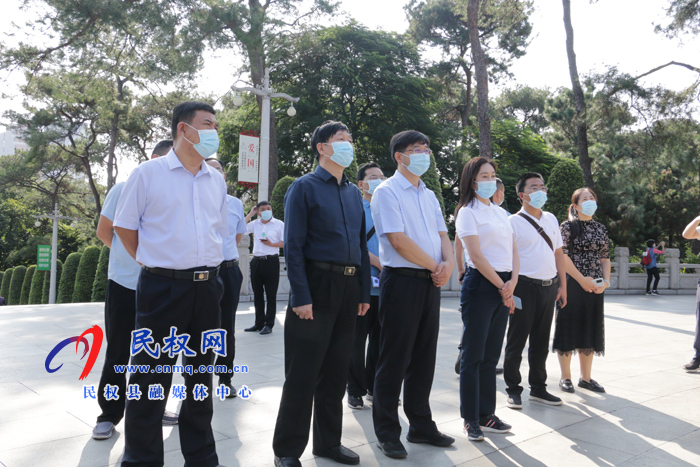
(482, 80)
(584, 159)
(114, 135)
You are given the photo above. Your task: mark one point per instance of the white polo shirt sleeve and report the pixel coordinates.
(557, 241)
(250, 226)
(465, 224)
(132, 202)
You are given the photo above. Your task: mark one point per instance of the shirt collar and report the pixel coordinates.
(481, 206)
(405, 184)
(326, 175)
(174, 162)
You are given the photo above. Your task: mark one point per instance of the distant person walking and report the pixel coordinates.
(692, 232)
(649, 263)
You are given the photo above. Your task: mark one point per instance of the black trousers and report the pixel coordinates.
(409, 317)
(697, 323)
(192, 307)
(361, 376)
(265, 278)
(232, 279)
(533, 322)
(120, 315)
(316, 361)
(653, 273)
(485, 318)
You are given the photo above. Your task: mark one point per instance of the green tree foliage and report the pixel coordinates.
(432, 181)
(5, 286)
(16, 224)
(99, 286)
(37, 287)
(46, 289)
(16, 285)
(524, 104)
(277, 199)
(27, 285)
(67, 283)
(85, 277)
(565, 178)
(685, 17)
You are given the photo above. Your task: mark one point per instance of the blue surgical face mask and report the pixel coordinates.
(537, 199)
(420, 163)
(373, 184)
(343, 153)
(589, 207)
(266, 215)
(208, 142)
(486, 189)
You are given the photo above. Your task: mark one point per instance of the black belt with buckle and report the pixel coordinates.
(411, 272)
(344, 270)
(543, 283)
(265, 257)
(190, 275)
(229, 264)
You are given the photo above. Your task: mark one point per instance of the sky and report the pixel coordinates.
(607, 33)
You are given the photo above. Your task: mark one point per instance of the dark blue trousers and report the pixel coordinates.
(192, 307)
(232, 279)
(485, 319)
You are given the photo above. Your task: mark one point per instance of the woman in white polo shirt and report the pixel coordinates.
(487, 295)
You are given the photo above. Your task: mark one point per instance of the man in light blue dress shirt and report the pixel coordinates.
(120, 313)
(172, 218)
(417, 259)
(233, 279)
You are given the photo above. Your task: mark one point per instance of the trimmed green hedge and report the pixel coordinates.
(27, 285)
(65, 289)
(82, 290)
(47, 282)
(16, 285)
(37, 287)
(5, 286)
(277, 198)
(99, 286)
(566, 177)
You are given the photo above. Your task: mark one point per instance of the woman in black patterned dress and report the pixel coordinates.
(579, 325)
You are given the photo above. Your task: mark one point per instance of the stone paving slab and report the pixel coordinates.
(650, 415)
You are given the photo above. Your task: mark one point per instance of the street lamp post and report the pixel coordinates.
(266, 92)
(55, 216)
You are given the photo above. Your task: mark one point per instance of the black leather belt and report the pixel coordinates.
(545, 283)
(411, 272)
(229, 264)
(190, 274)
(265, 257)
(337, 268)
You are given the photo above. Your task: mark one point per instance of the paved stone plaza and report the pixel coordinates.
(650, 415)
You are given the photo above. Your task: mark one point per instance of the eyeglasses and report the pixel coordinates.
(410, 152)
(535, 189)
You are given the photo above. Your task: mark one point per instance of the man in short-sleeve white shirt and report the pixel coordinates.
(417, 259)
(542, 282)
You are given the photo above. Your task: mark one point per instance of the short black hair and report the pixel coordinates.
(363, 169)
(651, 242)
(186, 111)
(520, 184)
(324, 132)
(162, 148)
(400, 141)
(262, 203)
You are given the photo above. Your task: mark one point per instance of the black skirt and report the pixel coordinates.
(580, 324)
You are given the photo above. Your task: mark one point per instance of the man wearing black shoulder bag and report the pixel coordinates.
(541, 283)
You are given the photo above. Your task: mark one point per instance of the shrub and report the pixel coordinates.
(5, 286)
(16, 285)
(67, 282)
(27, 285)
(99, 286)
(82, 290)
(277, 198)
(432, 181)
(37, 287)
(566, 177)
(47, 282)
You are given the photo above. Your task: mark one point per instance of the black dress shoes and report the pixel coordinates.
(591, 385)
(266, 330)
(340, 454)
(566, 385)
(436, 439)
(287, 462)
(393, 449)
(253, 329)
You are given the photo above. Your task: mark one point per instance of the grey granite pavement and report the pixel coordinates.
(650, 415)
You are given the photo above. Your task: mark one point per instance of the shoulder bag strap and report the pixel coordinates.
(370, 234)
(538, 228)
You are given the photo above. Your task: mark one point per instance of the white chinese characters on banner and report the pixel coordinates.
(248, 157)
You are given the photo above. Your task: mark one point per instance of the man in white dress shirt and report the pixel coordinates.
(172, 218)
(268, 234)
(417, 259)
(541, 282)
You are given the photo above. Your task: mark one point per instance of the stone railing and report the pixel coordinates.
(676, 277)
